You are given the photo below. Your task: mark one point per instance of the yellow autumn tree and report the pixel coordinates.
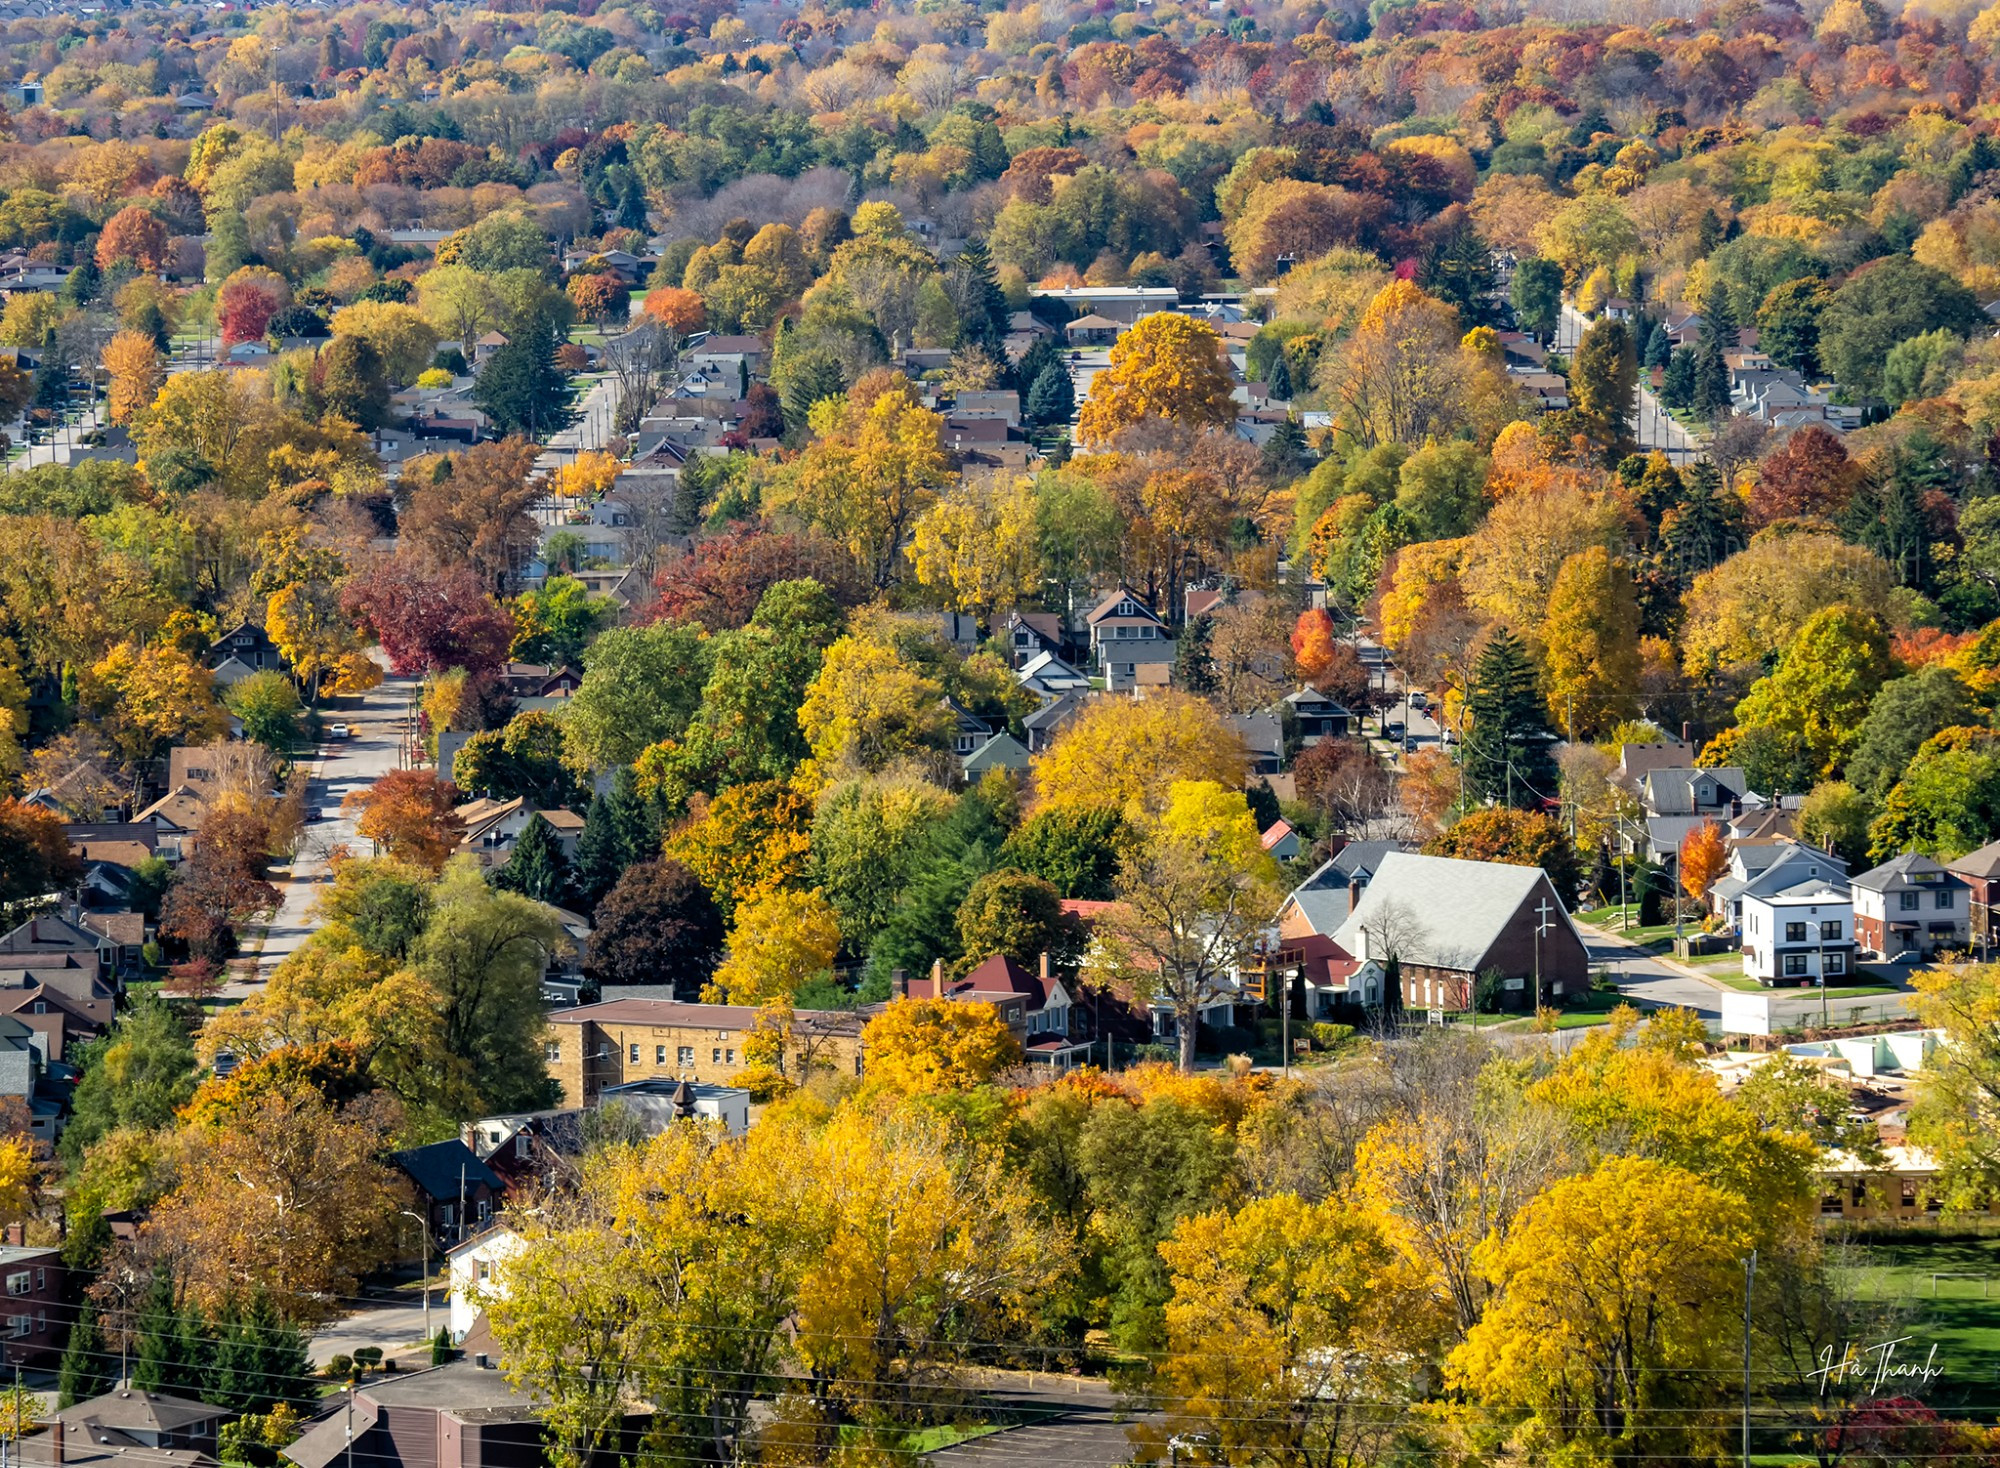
(924, 1047)
(133, 360)
(1168, 366)
(1402, 376)
(590, 473)
(1131, 754)
(1591, 633)
(978, 546)
(868, 708)
(779, 941)
(1421, 569)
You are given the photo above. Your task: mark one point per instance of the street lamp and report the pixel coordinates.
(424, 1233)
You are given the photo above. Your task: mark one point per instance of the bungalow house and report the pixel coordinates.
(1121, 304)
(1980, 871)
(1800, 935)
(130, 1418)
(1758, 870)
(1001, 752)
(728, 351)
(1448, 924)
(1911, 907)
(1092, 331)
(1047, 676)
(1044, 723)
(456, 1192)
(493, 826)
(1004, 407)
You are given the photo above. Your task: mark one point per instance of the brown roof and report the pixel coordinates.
(119, 927)
(1983, 863)
(118, 853)
(563, 820)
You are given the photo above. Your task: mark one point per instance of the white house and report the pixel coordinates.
(476, 1274)
(1799, 935)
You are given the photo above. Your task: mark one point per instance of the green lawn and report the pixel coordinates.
(1658, 938)
(1963, 1317)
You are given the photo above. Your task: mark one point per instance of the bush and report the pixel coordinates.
(441, 1349)
(1331, 1037)
(368, 1357)
(340, 1367)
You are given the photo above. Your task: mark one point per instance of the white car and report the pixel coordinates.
(339, 731)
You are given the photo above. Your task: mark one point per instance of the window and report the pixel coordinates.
(1944, 899)
(20, 1284)
(659, 1055)
(1909, 1192)
(1795, 965)
(1836, 963)
(687, 1055)
(715, 1056)
(23, 1325)
(41, 1007)
(1829, 930)
(41, 1278)
(635, 1052)
(729, 1057)
(447, 1215)
(485, 1209)
(552, 1051)
(521, 1145)
(1794, 933)
(1909, 901)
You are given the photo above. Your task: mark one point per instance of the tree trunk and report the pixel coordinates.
(1188, 1019)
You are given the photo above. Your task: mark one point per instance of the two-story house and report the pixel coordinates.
(1126, 634)
(1037, 1007)
(34, 1318)
(1800, 935)
(1912, 907)
(1762, 869)
(456, 1192)
(1313, 716)
(244, 649)
(1980, 871)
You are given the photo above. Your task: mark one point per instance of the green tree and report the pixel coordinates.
(1021, 916)
(86, 1370)
(1818, 695)
(1441, 489)
(168, 1355)
(528, 759)
(521, 390)
(485, 953)
(1948, 801)
(268, 704)
(1506, 752)
(866, 839)
(1536, 295)
(139, 1074)
(1051, 397)
(923, 927)
(1603, 383)
(350, 380)
(1788, 323)
(1834, 816)
(537, 868)
(1903, 714)
(556, 621)
(640, 685)
(1074, 848)
(618, 830)
(1892, 301)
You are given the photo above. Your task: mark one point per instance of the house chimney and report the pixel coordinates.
(1687, 732)
(899, 983)
(17, 1235)
(1045, 968)
(56, 1440)
(937, 978)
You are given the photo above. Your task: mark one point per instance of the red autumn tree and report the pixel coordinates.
(35, 855)
(1703, 859)
(133, 234)
(412, 815)
(1810, 474)
(429, 619)
(247, 302)
(223, 883)
(1313, 643)
(720, 582)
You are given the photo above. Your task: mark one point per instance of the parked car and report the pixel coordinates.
(1393, 731)
(1409, 744)
(339, 731)
(1420, 700)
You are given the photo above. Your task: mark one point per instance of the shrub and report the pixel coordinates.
(340, 1367)
(1331, 1037)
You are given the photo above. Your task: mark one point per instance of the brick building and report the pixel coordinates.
(34, 1321)
(620, 1041)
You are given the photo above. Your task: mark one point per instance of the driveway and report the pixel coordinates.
(1075, 1422)
(378, 719)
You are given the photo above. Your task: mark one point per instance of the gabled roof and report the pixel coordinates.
(1278, 831)
(1108, 608)
(1002, 752)
(1910, 867)
(443, 1169)
(1983, 863)
(182, 808)
(1451, 912)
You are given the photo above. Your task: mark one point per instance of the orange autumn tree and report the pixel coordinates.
(1703, 859)
(678, 310)
(412, 814)
(136, 374)
(1313, 644)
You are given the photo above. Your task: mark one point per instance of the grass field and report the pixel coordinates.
(1962, 1317)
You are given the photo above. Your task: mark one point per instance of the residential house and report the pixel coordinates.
(174, 817)
(1910, 907)
(533, 1147)
(1200, 601)
(1980, 871)
(1048, 677)
(1263, 738)
(1003, 406)
(1763, 870)
(727, 351)
(1326, 981)
(1092, 330)
(464, 1415)
(455, 1190)
(54, 1016)
(1684, 791)
(1636, 761)
(1037, 1007)
(597, 1046)
(1798, 935)
(474, 1273)
(493, 826)
(1120, 304)
(1281, 841)
(1124, 632)
(130, 1418)
(1029, 635)
(59, 937)
(1448, 923)
(485, 346)
(1001, 752)
(1044, 723)
(657, 1102)
(1313, 716)
(972, 730)
(539, 680)
(37, 1317)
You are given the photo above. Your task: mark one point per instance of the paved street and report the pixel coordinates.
(1080, 1423)
(388, 1324)
(1651, 979)
(1655, 428)
(377, 718)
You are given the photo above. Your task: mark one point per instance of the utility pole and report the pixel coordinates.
(1749, 1282)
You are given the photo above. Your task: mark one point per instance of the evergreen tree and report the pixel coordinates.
(1284, 455)
(1279, 383)
(1051, 398)
(618, 830)
(957, 852)
(1194, 666)
(150, 320)
(232, 1373)
(809, 376)
(1459, 269)
(1677, 389)
(1035, 361)
(1506, 755)
(982, 309)
(1711, 373)
(282, 1358)
(86, 1366)
(537, 869)
(164, 1354)
(1705, 528)
(521, 389)
(1659, 346)
(82, 284)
